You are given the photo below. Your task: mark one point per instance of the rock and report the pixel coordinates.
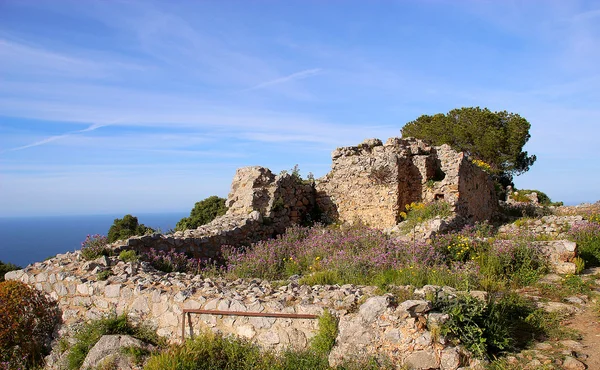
(421, 360)
(571, 363)
(14, 275)
(450, 359)
(374, 307)
(563, 308)
(108, 348)
(414, 307)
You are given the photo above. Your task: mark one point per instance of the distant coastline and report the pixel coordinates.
(31, 239)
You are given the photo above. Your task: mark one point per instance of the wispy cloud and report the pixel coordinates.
(292, 77)
(55, 138)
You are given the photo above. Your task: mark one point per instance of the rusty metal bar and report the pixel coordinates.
(189, 311)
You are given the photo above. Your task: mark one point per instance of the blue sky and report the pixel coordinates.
(141, 106)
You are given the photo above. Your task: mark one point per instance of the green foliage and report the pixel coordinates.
(126, 227)
(420, 212)
(209, 351)
(91, 333)
(27, 320)
(103, 275)
(6, 267)
(587, 237)
(496, 138)
(323, 342)
(326, 277)
(487, 328)
(128, 256)
(203, 212)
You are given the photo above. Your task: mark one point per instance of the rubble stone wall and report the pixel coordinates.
(373, 182)
(369, 325)
(260, 206)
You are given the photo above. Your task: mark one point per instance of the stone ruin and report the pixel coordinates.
(373, 182)
(370, 183)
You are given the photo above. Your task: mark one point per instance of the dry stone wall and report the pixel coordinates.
(369, 324)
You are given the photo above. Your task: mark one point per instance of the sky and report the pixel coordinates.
(141, 106)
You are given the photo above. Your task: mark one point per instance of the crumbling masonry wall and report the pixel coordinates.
(260, 206)
(373, 182)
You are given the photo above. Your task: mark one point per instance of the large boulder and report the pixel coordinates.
(108, 349)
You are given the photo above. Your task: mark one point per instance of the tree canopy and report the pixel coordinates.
(496, 138)
(203, 212)
(126, 227)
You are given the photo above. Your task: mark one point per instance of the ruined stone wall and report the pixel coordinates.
(373, 182)
(369, 325)
(260, 206)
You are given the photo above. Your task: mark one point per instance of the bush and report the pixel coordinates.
(170, 261)
(128, 256)
(487, 328)
(420, 212)
(94, 246)
(27, 320)
(91, 333)
(127, 227)
(587, 237)
(323, 342)
(203, 212)
(6, 267)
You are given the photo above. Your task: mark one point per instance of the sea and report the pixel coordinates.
(25, 240)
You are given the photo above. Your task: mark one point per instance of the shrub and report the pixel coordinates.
(6, 267)
(128, 256)
(92, 331)
(94, 246)
(587, 237)
(126, 227)
(103, 275)
(27, 320)
(203, 212)
(419, 212)
(323, 342)
(170, 261)
(487, 328)
(212, 351)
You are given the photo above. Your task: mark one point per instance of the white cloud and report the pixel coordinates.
(292, 77)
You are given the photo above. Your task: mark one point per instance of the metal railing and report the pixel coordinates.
(189, 311)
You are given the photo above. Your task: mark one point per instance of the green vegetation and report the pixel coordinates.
(417, 212)
(488, 328)
(6, 267)
(203, 212)
(103, 275)
(128, 256)
(209, 351)
(587, 237)
(323, 342)
(543, 199)
(91, 333)
(27, 320)
(126, 227)
(496, 138)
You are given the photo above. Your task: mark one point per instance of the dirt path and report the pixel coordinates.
(588, 325)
